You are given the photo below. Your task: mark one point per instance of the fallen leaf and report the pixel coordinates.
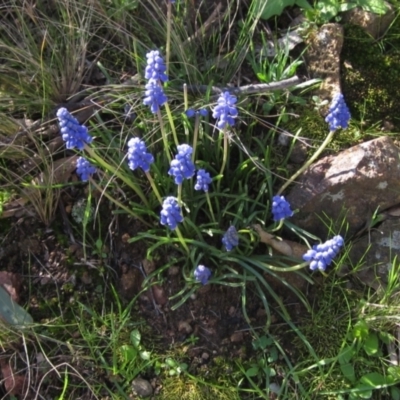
(13, 383)
(11, 283)
(283, 246)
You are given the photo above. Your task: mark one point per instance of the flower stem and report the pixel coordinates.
(180, 195)
(181, 239)
(117, 173)
(308, 163)
(168, 44)
(210, 207)
(171, 123)
(195, 135)
(224, 157)
(118, 203)
(154, 187)
(164, 136)
(185, 96)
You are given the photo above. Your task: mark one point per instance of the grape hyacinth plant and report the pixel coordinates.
(171, 214)
(84, 169)
(230, 238)
(155, 69)
(225, 111)
(154, 96)
(190, 113)
(339, 114)
(321, 255)
(203, 180)
(202, 274)
(182, 167)
(138, 157)
(73, 133)
(280, 208)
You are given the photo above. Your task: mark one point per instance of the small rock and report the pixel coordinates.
(205, 356)
(142, 387)
(148, 266)
(237, 337)
(184, 326)
(159, 295)
(125, 237)
(174, 270)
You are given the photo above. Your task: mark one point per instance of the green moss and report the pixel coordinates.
(369, 76)
(314, 127)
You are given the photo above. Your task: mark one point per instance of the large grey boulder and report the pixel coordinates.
(349, 186)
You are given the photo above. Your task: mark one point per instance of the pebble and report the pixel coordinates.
(237, 337)
(142, 387)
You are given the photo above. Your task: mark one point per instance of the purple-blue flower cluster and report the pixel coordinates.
(338, 115)
(84, 169)
(202, 274)
(155, 68)
(225, 111)
(321, 255)
(138, 157)
(190, 113)
(182, 166)
(230, 238)
(171, 213)
(203, 180)
(73, 133)
(280, 208)
(154, 96)
(155, 73)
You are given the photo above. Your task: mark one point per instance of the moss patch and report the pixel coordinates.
(370, 75)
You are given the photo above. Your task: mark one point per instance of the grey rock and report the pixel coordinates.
(374, 24)
(142, 387)
(372, 255)
(348, 187)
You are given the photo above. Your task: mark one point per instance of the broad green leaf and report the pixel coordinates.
(373, 6)
(304, 4)
(395, 393)
(274, 7)
(394, 372)
(371, 344)
(360, 330)
(135, 338)
(347, 6)
(348, 371)
(11, 312)
(145, 355)
(364, 391)
(346, 354)
(253, 371)
(373, 379)
(128, 353)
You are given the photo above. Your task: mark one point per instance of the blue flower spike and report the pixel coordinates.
(230, 238)
(202, 274)
(225, 111)
(280, 208)
(190, 113)
(138, 157)
(171, 214)
(73, 133)
(321, 255)
(84, 169)
(203, 180)
(338, 115)
(155, 69)
(182, 166)
(154, 96)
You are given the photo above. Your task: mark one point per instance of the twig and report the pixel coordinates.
(248, 89)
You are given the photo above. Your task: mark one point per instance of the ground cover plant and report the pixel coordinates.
(143, 177)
